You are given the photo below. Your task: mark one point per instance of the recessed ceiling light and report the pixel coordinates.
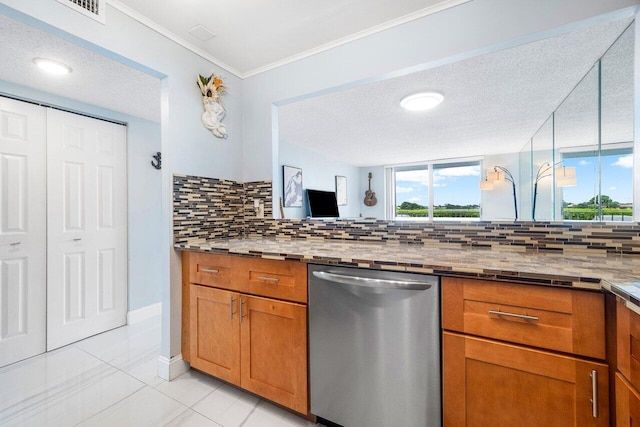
(51, 66)
(421, 101)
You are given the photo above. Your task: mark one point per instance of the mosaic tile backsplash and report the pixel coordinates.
(211, 209)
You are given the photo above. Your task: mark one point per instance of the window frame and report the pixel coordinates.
(430, 166)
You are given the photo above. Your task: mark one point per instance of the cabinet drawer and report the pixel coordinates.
(213, 270)
(564, 320)
(628, 343)
(273, 278)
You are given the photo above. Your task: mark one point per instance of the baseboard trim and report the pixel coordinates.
(169, 369)
(144, 313)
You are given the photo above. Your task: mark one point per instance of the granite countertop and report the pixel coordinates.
(619, 274)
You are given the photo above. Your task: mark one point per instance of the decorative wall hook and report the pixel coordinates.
(158, 163)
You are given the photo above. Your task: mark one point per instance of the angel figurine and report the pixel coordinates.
(212, 87)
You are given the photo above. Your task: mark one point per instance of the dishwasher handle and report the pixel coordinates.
(368, 282)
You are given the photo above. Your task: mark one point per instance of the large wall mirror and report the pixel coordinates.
(543, 131)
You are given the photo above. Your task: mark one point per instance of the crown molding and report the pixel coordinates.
(116, 4)
(359, 35)
(447, 4)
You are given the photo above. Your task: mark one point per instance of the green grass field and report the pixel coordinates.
(439, 213)
(589, 214)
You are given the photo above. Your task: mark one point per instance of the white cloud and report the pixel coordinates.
(624, 161)
(421, 176)
(414, 199)
(612, 188)
(584, 163)
(459, 171)
(401, 190)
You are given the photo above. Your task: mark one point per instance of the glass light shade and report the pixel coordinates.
(52, 67)
(566, 176)
(486, 185)
(421, 101)
(495, 176)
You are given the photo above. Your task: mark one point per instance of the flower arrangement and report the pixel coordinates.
(211, 87)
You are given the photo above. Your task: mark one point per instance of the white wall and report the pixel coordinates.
(377, 186)
(318, 173)
(187, 147)
(143, 186)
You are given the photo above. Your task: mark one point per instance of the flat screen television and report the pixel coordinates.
(322, 204)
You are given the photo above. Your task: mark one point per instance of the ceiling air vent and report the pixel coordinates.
(91, 8)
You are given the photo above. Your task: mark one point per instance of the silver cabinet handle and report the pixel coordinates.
(14, 243)
(231, 301)
(77, 239)
(519, 316)
(268, 279)
(209, 270)
(242, 303)
(372, 283)
(594, 393)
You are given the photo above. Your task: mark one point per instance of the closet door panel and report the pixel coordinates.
(22, 230)
(87, 263)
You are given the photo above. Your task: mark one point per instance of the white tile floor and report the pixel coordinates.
(110, 380)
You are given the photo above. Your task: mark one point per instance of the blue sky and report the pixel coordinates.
(617, 178)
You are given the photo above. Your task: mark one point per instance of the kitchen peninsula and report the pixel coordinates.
(575, 294)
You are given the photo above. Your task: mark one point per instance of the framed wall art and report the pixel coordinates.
(292, 186)
(341, 190)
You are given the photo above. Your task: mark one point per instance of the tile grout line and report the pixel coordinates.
(250, 413)
(111, 406)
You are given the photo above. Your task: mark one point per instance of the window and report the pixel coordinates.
(412, 192)
(616, 185)
(435, 190)
(456, 192)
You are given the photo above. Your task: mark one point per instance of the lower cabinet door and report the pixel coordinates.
(215, 332)
(274, 351)
(627, 403)
(487, 383)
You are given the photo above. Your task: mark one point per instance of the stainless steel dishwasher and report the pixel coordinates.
(374, 340)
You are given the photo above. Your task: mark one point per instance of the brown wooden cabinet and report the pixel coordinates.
(274, 350)
(627, 381)
(488, 383)
(627, 403)
(215, 332)
(257, 343)
(512, 355)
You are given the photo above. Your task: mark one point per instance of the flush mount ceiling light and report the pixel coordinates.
(421, 101)
(52, 67)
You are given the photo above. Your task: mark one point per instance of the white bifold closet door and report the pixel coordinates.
(22, 230)
(86, 227)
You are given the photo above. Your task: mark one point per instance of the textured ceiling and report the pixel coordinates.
(95, 79)
(252, 34)
(493, 104)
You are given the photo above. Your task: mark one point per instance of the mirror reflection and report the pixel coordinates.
(534, 132)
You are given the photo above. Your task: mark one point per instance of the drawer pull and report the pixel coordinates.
(269, 279)
(594, 393)
(519, 316)
(209, 270)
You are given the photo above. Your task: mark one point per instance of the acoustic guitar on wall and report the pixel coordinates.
(370, 196)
